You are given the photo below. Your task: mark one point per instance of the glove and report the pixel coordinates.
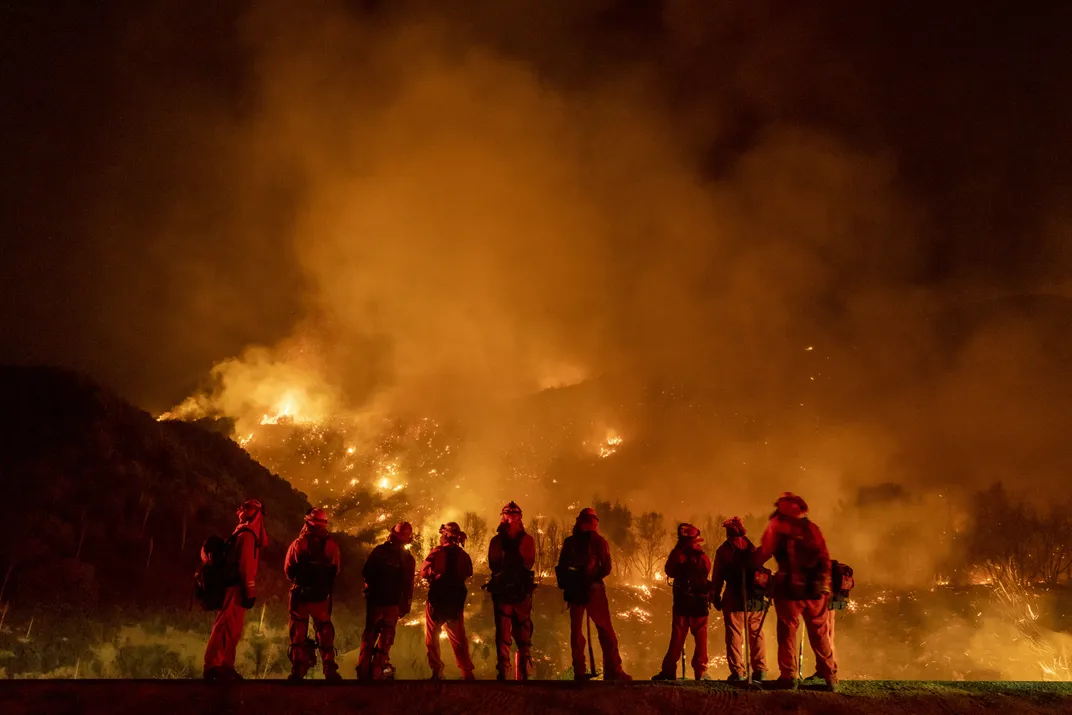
(247, 603)
(716, 603)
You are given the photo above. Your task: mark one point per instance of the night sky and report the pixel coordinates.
(162, 161)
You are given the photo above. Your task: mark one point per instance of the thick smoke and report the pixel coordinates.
(725, 232)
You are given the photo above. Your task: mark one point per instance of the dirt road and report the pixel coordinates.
(86, 697)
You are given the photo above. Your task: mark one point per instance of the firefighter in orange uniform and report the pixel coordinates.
(388, 573)
(446, 569)
(689, 567)
(734, 567)
(801, 587)
(511, 555)
(587, 554)
(312, 564)
(248, 539)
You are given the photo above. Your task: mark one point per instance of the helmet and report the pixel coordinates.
(687, 531)
(734, 526)
(791, 505)
(402, 532)
(249, 509)
(452, 533)
(511, 508)
(316, 517)
(588, 513)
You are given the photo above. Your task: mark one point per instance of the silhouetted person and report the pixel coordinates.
(246, 542)
(312, 564)
(801, 587)
(589, 554)
(511, 555)
(689, 568)
(446, 569)
(734, 566)
(388, 573)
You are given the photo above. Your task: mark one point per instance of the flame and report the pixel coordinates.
(610, 445)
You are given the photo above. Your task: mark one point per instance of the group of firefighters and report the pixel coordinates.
(735, 584)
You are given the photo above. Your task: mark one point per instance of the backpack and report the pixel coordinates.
(447, 593)
(841, 583)
(384, 576)
(515, 582)
(692, 592)
(804, 555)
(216, 575)
(313, 576)
(572, 573)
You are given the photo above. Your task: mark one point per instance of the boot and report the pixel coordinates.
(832, 684)
(735, 678)
(814, 678)
(617, 675)
(664, 676)
(758, 676)
(784, 683)
(468, 675)
(221, 673)
(331, 672)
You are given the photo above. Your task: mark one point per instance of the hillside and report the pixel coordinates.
(102, 506)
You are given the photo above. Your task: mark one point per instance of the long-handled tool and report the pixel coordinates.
(800, 655)
(747, 633)
(592, 672)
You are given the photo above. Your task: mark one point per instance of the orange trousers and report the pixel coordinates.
(376, 640)
(680, 627)
(598, 609)
(757, 645)
(459, 643)
(514, 619)
(300, 613)
(817, 623)
(226, 631)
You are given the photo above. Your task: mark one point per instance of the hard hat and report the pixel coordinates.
(316, 517)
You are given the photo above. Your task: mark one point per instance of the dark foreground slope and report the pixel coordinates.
(419, 698)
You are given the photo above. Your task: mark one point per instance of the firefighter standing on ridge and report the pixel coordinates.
(311, 565)
(446, 569)
(734, 566)
(587, 554)
(689, 567)
(248, 539)
(801, 587)
(511, 555)
(388, 574)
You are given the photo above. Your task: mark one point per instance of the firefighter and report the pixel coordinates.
(801, 587)
(246, 542)
(588, 554)
(733, 569)
(511, 555)
(446, 569)
(311, 565)
(689, 567)
(388, 573)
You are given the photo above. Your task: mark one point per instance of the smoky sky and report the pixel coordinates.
(843, 225)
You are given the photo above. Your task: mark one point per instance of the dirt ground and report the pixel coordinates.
(86, 697)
